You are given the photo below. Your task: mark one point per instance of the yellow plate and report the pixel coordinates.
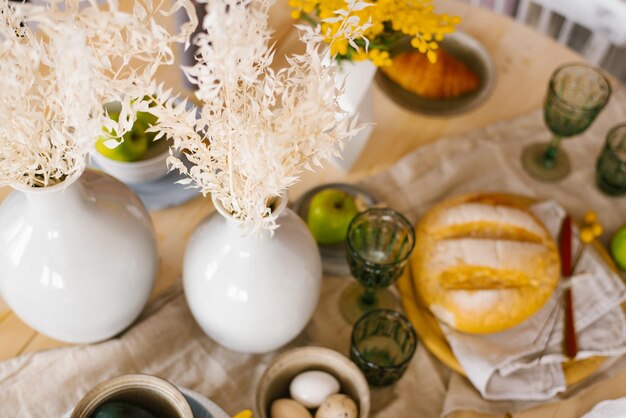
(427, 326)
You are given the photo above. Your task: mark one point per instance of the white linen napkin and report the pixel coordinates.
(524, 363)
(614, 408)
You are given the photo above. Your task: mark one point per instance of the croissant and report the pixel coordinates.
(446, 78)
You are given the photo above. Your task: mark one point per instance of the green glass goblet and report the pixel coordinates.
(379, 242)
(611, 165)
(383, 343)
(576, 94)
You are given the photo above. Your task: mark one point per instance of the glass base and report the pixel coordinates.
(352, 306)
(533, 162)
(608, 188)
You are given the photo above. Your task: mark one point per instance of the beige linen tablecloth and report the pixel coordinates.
(167, 342)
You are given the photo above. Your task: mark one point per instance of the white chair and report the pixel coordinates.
(605, 19)
(499, 6)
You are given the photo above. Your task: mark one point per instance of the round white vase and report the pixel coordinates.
(252, 294)
(78, 259)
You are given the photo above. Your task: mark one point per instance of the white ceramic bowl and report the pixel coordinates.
(152, 165)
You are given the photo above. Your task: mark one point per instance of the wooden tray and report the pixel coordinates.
(430, 334)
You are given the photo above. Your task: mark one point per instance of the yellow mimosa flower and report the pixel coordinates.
(389, 19)
(339, 46)
(380, 58)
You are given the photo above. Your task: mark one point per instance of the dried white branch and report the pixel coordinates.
(60, 63)
(257, 129)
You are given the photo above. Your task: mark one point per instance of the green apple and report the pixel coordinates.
(147, 119)
(135, 143)
(330, 213)
(618, 247)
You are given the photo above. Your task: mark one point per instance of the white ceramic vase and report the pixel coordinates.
(78, 259)
(358, 98)
(252, 294)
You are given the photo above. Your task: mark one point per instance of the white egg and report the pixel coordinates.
(288, 408)
(311, 388)
(337, 406)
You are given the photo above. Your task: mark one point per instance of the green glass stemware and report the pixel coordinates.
(611, 164)
(576, 94)
(379, 241)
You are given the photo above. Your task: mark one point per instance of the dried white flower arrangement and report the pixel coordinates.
(258, 128)
(60, 63)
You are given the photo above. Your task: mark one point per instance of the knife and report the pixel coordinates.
(565, 249)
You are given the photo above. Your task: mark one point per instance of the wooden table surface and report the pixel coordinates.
(524, 60)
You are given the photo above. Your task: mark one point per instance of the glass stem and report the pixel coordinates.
(552, 150)
(369, 296)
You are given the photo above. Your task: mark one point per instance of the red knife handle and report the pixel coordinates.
(569, 332)
(565, 247)
(565, 250)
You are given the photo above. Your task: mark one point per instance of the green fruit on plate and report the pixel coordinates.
(330, 213)
(135, 143)
(618, 247)
(148, 119)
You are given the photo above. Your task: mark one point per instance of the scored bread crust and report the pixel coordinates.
(483, 275)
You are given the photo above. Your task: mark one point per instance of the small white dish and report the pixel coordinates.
(162, 192)
(201, 406)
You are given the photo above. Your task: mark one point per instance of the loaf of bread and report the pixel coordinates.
(444, 79)
(482, 265)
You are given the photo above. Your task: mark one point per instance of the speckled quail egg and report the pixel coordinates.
(337, 406)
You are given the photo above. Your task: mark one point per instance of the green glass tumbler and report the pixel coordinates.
(379, 241)
(576, 94)
(382, 346)
(611, 165)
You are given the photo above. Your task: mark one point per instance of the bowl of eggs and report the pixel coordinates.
(312, 382)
